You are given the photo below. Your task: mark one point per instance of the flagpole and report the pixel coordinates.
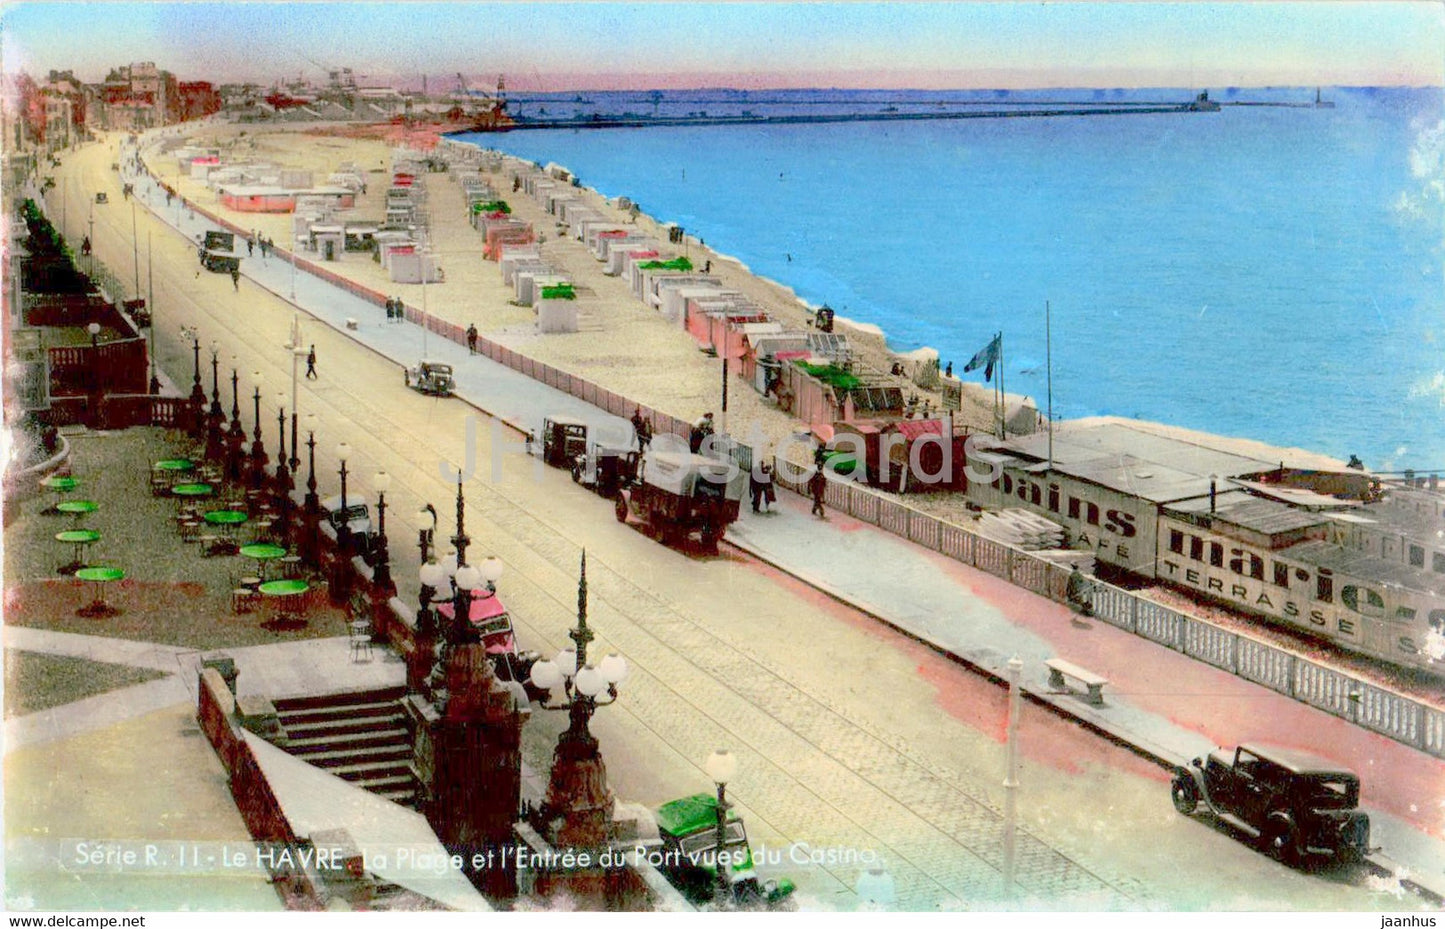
(1049, 363)
(1002, 397)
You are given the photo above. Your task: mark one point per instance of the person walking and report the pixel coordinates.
(236, 279)
(311, 374)
(472, 339)
(642, 429)
(817, 486)
(700, 431)
(250, 246)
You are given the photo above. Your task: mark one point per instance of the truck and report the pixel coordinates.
(681, 495)
(690, 856)
(218, 252)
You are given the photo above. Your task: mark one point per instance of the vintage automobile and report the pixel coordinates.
(564, 440)
(357, 518)
(492, 624)
(430, 377)
(1301, 807)
(218, 252)
(681, 494)
(102, 197)
(688, 828)
(605, 469)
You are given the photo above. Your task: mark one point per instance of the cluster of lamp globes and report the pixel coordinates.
(587, 680)
(481, 580)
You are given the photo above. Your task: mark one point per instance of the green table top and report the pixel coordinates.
(176, 464)
(284, 588)
(78, 507)
(263, 551)
(225, 517)
(60, 483)
(100, 574)
(192, 490)
(78, 536)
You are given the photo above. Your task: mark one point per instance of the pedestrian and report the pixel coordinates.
(311, 374)
(85, 246)
(817, 486)
(250, 246)
(760, 486)
(707, 267)
(1080, 592)
(700, 431)
(948, 370)
(642, 429)
(390, 309)
(472, 339)
(236, 279)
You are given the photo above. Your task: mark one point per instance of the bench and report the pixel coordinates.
(1061, 671)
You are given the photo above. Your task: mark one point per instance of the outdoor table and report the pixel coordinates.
(165, 471)
(263, 552)
(78, 538)
(60, 485)
(284, 592)
(226, 521)
(184, 492)
(78, 508)
(99, 576)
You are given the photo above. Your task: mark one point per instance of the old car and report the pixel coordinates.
(356, 516)
(681, 494)
(605, 469)
(564, 440)
(430, 377)
(492, 625)
(688, 828)
(1300, 807)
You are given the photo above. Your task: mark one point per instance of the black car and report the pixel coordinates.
(1301, 807)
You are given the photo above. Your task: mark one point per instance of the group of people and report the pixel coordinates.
(395, 309)
(256, 239)
(642, 428)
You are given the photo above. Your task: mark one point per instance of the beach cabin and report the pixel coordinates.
(328, 240)
(529, 284)
(764, 354)
(672, 293)
(645, 273)
(341, 198)
(508, 231)
(610, 246)
(621, 259)
(258, 199)
(360, 237)
(391, 244)
(557, 309)
(414, 267)
(532, 266)
(514, 256)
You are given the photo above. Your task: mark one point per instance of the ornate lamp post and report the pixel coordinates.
(382, 575)
(198, 393)
(215, 420)
(236, 437)
(312, 503)
(283, 474)
(343, 528)
(577, 792)
(721, 766)
(94, 330)
(258, 450)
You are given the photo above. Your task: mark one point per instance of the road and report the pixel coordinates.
(852, 738)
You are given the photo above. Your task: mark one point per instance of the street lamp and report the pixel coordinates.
(258, 450)
(94, 330)
(343, 525)
(721, 766)
(283, 477)
(382, 576)
(1011, 776)
(576, 760)
(311, 502)
(491, 569)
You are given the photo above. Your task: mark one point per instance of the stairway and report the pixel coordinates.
(360, 737)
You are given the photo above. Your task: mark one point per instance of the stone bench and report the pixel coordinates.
(1061, 672)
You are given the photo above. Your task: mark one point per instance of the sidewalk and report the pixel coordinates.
(1169, 707)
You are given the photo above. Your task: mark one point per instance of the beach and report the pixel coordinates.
(623, 345)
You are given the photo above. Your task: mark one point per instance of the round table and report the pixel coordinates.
(284, 592)
(169, 469)
(79, 538)
(78, 508)
(263, 552)
(184, 492)
(60, 485)
(226, 521)
(176, 465)
(99, 576)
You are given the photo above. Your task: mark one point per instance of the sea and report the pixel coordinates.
(1270, 272)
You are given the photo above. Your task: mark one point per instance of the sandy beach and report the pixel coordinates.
(622, 344)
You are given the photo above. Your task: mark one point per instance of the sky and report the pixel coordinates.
(600, 45)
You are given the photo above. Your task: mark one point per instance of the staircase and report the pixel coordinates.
(360, 737)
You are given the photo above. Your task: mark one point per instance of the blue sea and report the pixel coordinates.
(1267, 272)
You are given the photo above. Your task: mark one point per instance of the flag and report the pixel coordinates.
(986, 358)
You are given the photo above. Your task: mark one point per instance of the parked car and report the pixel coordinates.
(688, 828)
(1300, 807)
(605, 469)
(430, 377)
(564, 440)
(356, 517)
